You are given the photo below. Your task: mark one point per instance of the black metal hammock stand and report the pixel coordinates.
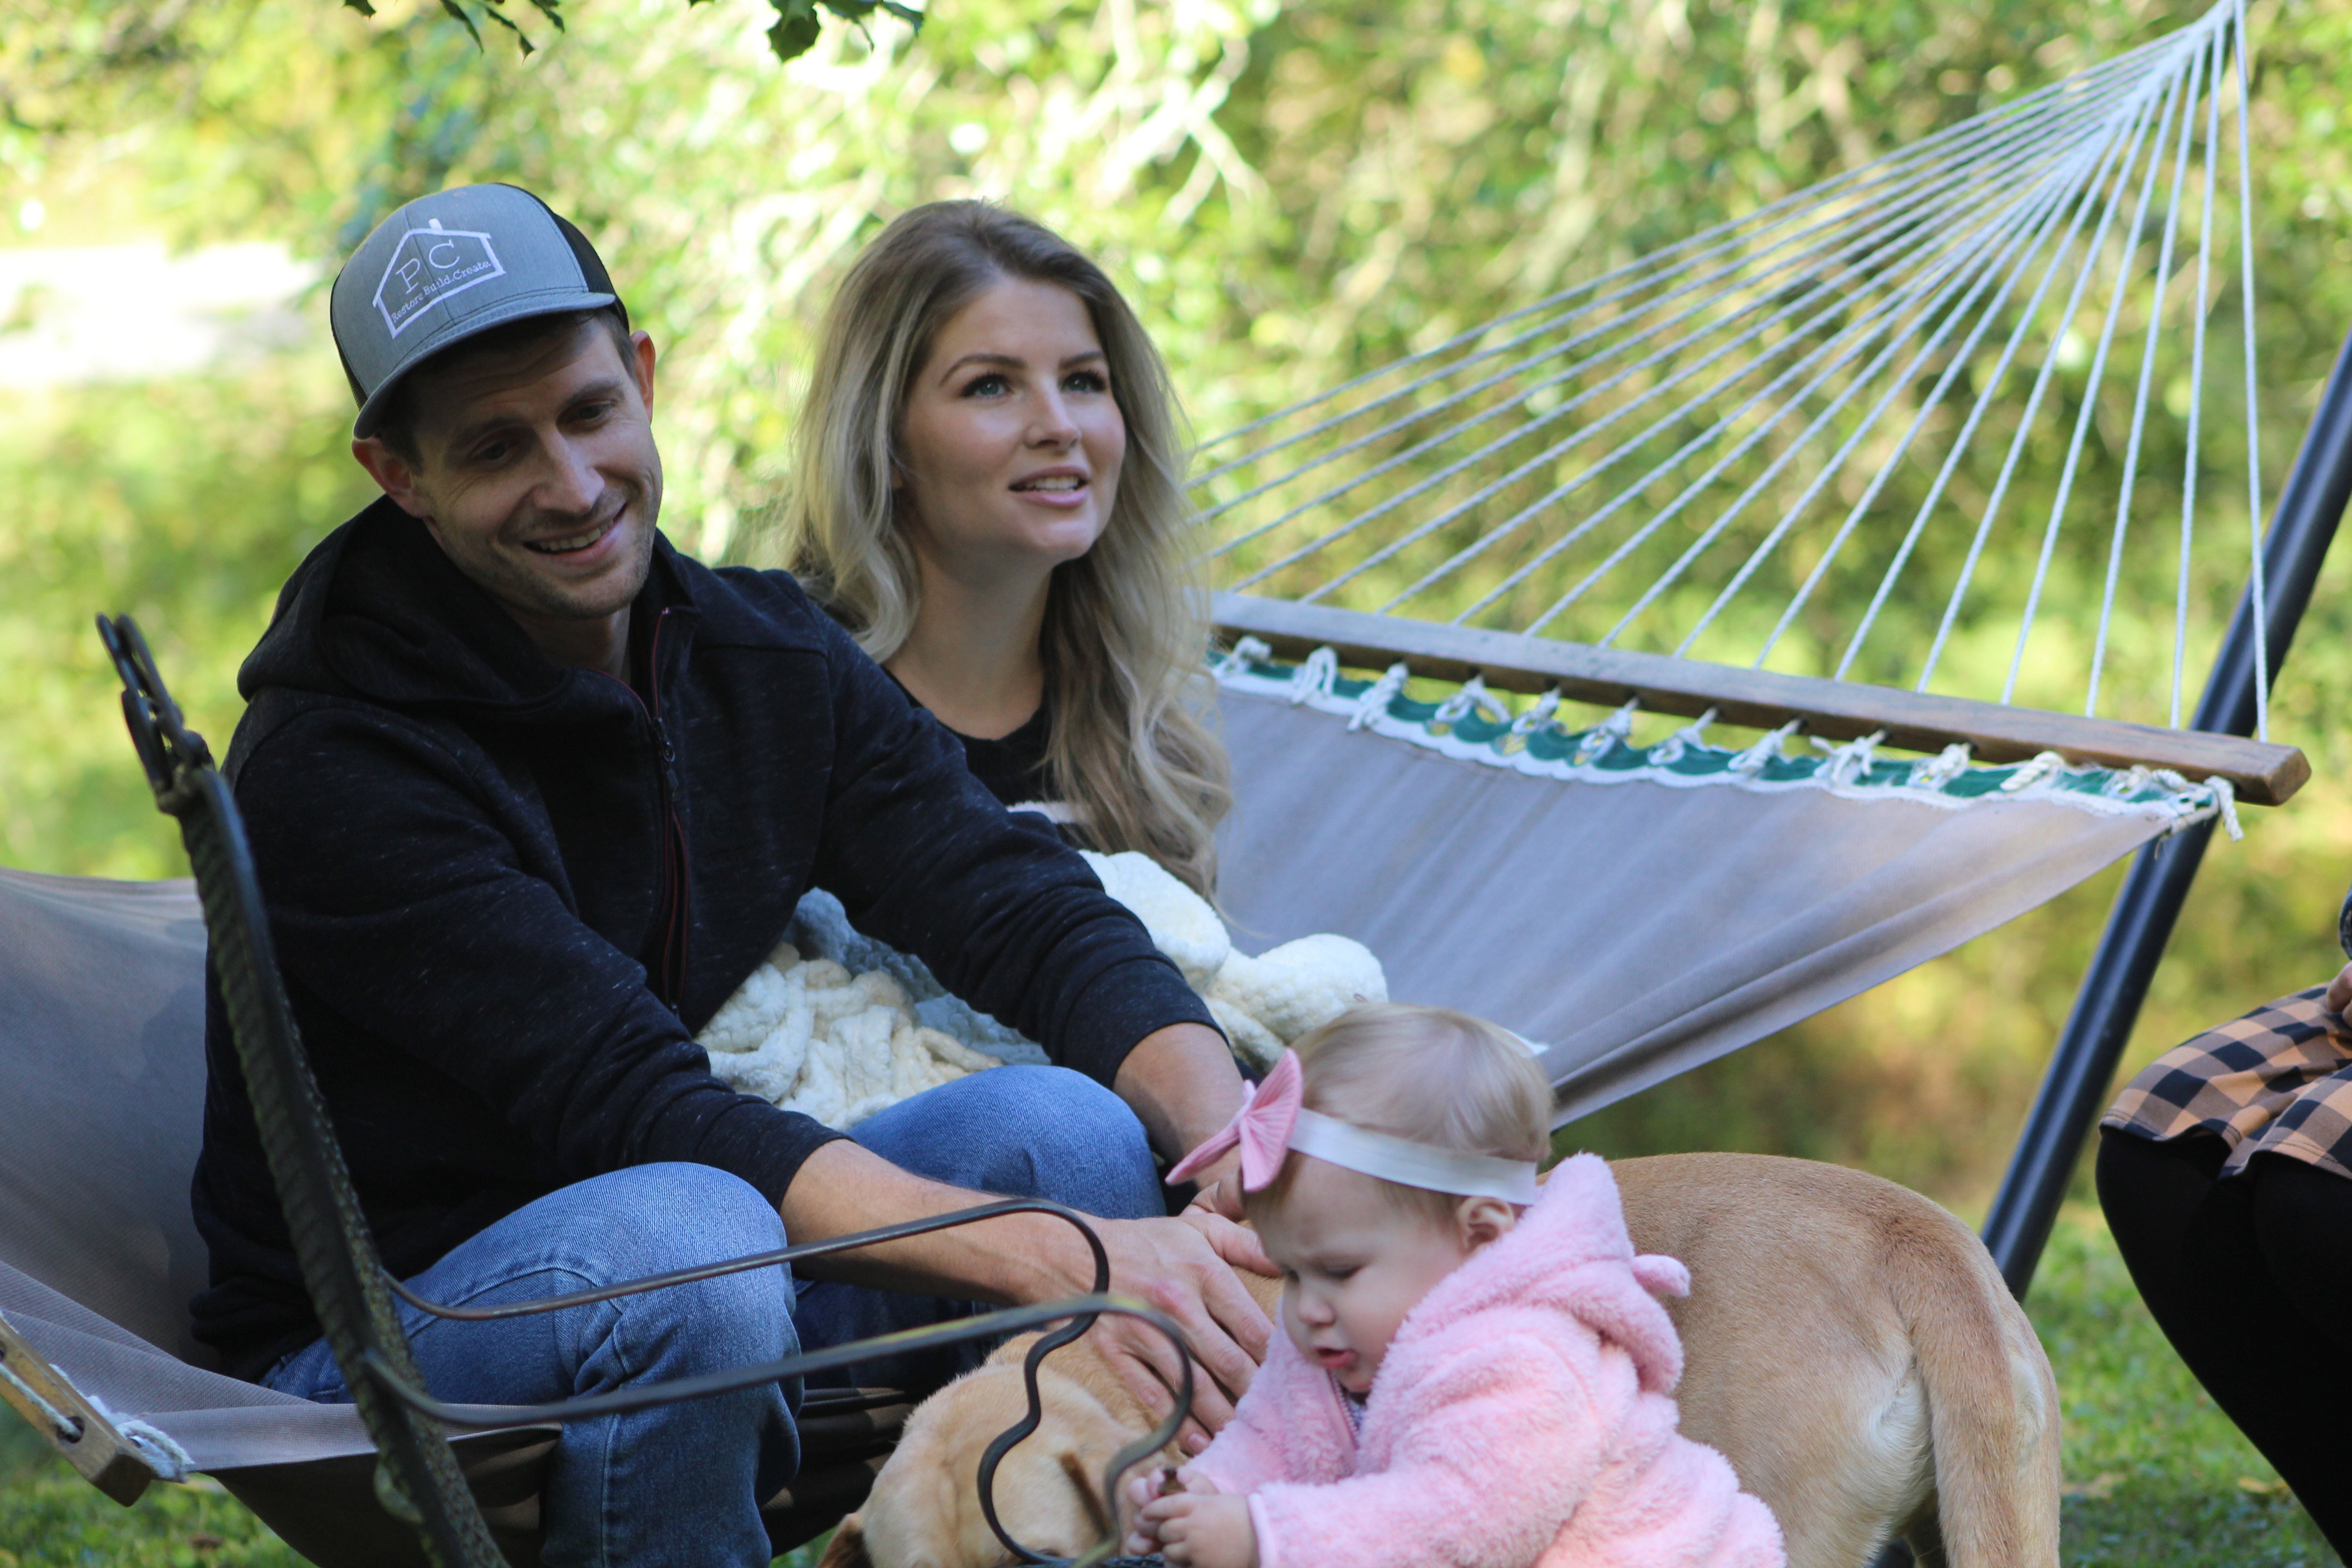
(417, 1477)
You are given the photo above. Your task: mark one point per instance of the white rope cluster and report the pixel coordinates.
(1375, 699)
(1599, 741)
(1849, 764)
(1953, 761)
(1671, 750)
(1768, 749)
(162, 1451)
(1523, 470)
(1471, 694)
(1540, 715)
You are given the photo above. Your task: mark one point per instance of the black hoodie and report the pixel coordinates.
(506, 894)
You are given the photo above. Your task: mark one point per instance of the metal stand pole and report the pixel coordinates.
(2083, 1064)
(2117, 984)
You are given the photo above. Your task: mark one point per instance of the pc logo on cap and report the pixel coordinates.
(446, 267)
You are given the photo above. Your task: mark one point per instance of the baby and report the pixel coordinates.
(1474, 1369)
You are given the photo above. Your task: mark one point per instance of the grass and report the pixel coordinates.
(2156, 1476)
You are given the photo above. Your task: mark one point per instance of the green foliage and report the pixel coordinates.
(50, 1519)
(797, 21)
(493, 12)
(185, 504)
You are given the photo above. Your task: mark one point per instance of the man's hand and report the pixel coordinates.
(2339, 990)
(1185, 1267)
(1196, 1529)
(1183, 1085)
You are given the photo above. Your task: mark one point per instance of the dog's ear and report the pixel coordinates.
(848, 1547)
(1097, 1514)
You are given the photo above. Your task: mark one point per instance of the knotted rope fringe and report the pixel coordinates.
(1477, 726)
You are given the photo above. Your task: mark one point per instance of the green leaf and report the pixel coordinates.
(858, 10)
(522, 39)
(458, 11)
(795, 29)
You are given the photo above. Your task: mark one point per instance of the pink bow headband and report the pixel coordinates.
(1273, 1121)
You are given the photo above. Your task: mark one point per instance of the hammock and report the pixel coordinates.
(1775, 475)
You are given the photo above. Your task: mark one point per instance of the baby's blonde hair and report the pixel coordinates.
(1428, 1074)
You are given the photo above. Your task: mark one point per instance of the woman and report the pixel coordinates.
(988, 491)
(2225, 1170)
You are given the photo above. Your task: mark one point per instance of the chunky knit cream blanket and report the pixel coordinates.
(839, 1025)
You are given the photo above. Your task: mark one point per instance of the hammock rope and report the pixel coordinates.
(1515, 475)
(2035, 107)
(1829, 242)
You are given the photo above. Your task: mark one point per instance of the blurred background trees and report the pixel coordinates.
(1290, 192)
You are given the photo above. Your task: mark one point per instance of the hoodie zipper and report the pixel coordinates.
(665, 966)
(678, 875)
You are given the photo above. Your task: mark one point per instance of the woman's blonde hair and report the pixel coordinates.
(1428, 1074)
(1125, 631)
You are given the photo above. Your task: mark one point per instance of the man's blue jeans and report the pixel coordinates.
(682, 1484)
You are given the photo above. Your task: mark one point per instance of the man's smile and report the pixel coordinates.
(571, 543)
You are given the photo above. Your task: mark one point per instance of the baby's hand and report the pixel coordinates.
(1143, 1539)
(1141, 1490)
(1195, 1529)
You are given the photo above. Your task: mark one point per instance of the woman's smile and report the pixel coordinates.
(1064, 487)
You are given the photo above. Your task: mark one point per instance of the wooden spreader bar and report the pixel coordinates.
(2260, 774)
(102, 1456)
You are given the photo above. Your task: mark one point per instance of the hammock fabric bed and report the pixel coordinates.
(1588, 502)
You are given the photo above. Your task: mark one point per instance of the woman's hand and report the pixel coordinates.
(1196, 1529)
(2339, 990)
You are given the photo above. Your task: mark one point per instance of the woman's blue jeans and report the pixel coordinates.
(682, 1484)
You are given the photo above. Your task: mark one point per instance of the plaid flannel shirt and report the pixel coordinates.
(2278, 1081)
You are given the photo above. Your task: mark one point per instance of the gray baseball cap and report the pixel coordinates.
(446, 267)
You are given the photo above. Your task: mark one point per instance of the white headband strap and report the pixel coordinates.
(1410, 1163)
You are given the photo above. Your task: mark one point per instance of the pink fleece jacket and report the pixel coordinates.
(1521, 1419)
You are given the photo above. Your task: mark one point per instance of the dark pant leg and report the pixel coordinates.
(2193, 1244)
(2302, 1222)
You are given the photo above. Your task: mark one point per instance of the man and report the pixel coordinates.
(530, 793)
